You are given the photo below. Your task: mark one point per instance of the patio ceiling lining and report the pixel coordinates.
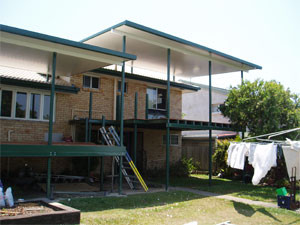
(33, 51)
(188, 59)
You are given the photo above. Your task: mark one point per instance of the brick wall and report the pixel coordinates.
(155, 150)
(68, 105)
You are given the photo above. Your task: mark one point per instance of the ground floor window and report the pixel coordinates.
(24, 104)
(174, 139)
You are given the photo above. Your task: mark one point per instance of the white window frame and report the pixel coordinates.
(156, 90)
(171, 144)
(28, 92)
(91, 82)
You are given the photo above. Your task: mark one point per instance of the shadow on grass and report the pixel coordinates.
(224, 186)
(248, 210)
(130, 202)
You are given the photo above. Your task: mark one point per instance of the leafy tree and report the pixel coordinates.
(263, 107)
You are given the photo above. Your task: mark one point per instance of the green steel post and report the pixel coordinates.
(120, 174)
(122, 95)
(86, 138)
(209, 123)
(118, 108)
(52, 99)
(135, 127)
(49, 178)
(242, 82)
(51, 123)
(242, 76)
(147, 102)
(168, 121)
(102, 160)
(90, 116)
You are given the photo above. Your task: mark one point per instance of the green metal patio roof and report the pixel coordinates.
(187, 58)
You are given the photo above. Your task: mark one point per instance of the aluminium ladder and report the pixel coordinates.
(109, 142)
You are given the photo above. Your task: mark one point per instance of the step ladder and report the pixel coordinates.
(130, 165)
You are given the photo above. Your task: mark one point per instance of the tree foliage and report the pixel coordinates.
(263, 107)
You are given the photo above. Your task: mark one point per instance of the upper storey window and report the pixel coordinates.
(91, 82)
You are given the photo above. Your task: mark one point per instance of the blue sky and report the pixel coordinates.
(263, 32)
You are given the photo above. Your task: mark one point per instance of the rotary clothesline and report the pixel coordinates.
(263, 156)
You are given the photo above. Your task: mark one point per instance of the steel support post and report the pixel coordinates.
(102, 159)
(120, 174)
(122, 95)
(135, 127)
(209, 122)
(147, 106)
(90, 116)
(51, 123)
(168, 120)
(242, 76)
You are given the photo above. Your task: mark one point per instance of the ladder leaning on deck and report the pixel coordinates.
(124, 169)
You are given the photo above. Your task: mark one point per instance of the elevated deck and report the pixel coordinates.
(174, 124)
(61, 149)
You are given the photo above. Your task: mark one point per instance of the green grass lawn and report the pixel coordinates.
(226, 186)
(176, 207)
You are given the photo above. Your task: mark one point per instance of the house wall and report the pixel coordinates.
(70, 105)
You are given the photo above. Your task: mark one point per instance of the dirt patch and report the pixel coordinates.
(26, 208)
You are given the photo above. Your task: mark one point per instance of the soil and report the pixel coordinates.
(26, 208)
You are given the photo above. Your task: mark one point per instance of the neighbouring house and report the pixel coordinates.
(195, 144)
(56, 94)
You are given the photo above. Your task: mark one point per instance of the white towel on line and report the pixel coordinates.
(262, 158)
(236, 155)
(292, 157)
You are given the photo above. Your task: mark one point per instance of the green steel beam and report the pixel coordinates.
(122, 96)
(146, 79)
(168, 120)
(38, 85)
(18, 150)
(209, 123)
(52, 99)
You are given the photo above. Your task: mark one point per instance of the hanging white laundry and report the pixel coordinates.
(292, 157)
(236, 155)
(264, 157)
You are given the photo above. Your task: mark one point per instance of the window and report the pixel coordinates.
(174, 139)
(156, 98)
(91, 82)
(46, 110)
(125, 87)
(21, 102)
(24, 104)
(35, 103)
(6, 103)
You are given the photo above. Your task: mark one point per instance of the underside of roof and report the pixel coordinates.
(188, 59)
(34, 51)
